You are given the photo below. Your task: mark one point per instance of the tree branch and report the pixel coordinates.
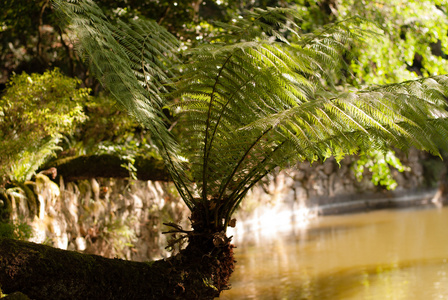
(108, 165)
(43, 272)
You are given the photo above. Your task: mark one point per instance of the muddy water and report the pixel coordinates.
(389, 254)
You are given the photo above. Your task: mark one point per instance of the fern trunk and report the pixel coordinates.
(201, 271)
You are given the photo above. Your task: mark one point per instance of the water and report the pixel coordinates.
(389, 254)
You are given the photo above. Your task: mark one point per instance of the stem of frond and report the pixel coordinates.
(251, 174)
(243, 157)
(206, 149)
(243, 193)
(179, 181)
(224, 108)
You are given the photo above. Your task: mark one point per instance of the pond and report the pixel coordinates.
(387, 254)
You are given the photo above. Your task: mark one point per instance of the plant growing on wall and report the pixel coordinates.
(31, 125)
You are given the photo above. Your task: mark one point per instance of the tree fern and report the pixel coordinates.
(259, 102)
(261, 95)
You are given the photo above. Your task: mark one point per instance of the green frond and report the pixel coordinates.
(133, 61)
(262, 24)
(251, 81)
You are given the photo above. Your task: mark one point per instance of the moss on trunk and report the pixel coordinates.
(107, 165)
(201, 271)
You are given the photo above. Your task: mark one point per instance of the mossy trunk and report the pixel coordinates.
(108, 165)
(201, 271)
(443, 184)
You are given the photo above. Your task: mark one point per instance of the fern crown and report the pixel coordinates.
(260, 96)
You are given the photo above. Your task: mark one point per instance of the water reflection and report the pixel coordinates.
(378, 255)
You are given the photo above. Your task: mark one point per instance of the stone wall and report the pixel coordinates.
(287, 200)
(108, 217)
(123, 218)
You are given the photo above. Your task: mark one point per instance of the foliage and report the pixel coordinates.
(434, 171)
(35, 111)
(106, 123)
(119, 235)
(19, 35)
(108, 130)
(136, 72)
(413, 40)
(413, 32)
(15, 230)
(32, 39)
(379, 163)
(257, 97)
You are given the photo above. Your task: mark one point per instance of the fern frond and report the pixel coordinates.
(262, 24)
(133, 62)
